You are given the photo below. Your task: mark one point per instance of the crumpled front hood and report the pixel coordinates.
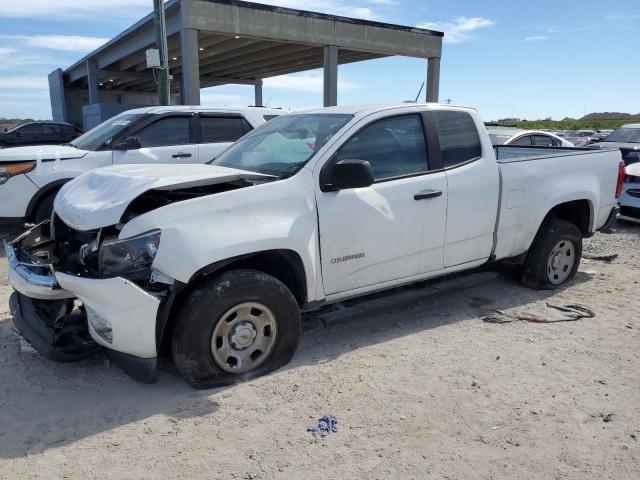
(99, 198)
(42, 152)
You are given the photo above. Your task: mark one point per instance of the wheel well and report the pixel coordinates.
(577, 212)
(42, 194)
(285, 265)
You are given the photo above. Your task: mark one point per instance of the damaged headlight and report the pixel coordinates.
(130, 258)
(8, 170)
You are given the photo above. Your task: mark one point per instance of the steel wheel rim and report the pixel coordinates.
(561, 262)
(244, 337)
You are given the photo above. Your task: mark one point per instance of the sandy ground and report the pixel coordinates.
(426, 390)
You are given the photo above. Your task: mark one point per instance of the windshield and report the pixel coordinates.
(9, 130)
(499, 138)
(283, 145)
(624, 135)
(97, 136)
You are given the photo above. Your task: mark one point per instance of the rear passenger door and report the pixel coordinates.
(168, 139)
(217, 132)
(473, 187)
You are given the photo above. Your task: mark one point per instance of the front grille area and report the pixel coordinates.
(67, 248)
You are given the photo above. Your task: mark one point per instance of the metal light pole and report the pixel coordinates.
(161, 44)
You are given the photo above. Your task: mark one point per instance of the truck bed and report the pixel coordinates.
(534, 179)
(515, 153)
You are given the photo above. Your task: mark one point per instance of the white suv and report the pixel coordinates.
(30, 177)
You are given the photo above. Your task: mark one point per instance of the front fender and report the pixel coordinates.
(203, 231)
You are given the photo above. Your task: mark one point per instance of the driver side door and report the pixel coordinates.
(393, 229)
(169, 139)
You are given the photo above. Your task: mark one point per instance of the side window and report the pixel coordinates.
(458, 136)
(556, 142)
(165, 132)
(542, 141)
(269, 117)
(394, 147)
(246, 126)
(30, 129)
(221, 129)
(522, 141)
(50, 129)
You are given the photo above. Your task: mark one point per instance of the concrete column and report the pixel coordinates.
(190, 85)
(93, 81)
(330, 76)
(433, 79)
(258, 92)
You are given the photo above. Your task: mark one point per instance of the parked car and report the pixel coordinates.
(30, 177)
(630, 198)
(212, 264)
(526, 138)
(627, 139)
(39, 133)
(581, 138)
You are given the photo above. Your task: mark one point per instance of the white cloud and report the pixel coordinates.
(210, 99)
(24, 83)
(459, 30)
(6, 51)
(75, 8)
(66, 43)
(536, 38)
(308, 82)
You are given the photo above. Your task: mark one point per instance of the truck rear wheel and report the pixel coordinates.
(241, 324)
(554, 257)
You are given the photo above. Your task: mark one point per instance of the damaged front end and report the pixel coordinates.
(48, 316)
(79, 291)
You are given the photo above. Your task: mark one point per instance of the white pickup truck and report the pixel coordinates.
(30, 177)
(212, 264)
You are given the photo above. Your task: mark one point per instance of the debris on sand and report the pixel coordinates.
(324, 426)
(602, 258)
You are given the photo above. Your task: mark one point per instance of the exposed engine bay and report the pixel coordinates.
(54, 246)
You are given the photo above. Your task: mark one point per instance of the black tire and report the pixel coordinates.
(44, 208)
(191, 345)
(536, 272)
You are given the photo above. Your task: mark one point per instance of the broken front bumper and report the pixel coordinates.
(115, 314)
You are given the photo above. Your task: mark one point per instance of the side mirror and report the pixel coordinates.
(5, 130)
(351, 174)
(128, 143)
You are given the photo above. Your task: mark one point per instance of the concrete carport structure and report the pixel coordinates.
(220, 42)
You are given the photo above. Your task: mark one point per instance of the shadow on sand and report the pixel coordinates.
(45, 405)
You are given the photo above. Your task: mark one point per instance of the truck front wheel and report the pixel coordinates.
(554, 257)
(239, 325)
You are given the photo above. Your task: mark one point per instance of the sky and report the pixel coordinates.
(525, 59)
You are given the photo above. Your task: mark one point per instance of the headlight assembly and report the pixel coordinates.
(8, 170)
(130, 258)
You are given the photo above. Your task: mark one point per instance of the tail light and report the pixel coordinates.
(620, 180)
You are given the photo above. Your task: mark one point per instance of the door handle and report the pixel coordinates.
(427, 194)
(181, 155)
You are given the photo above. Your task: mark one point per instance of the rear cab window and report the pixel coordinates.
(458, 137)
